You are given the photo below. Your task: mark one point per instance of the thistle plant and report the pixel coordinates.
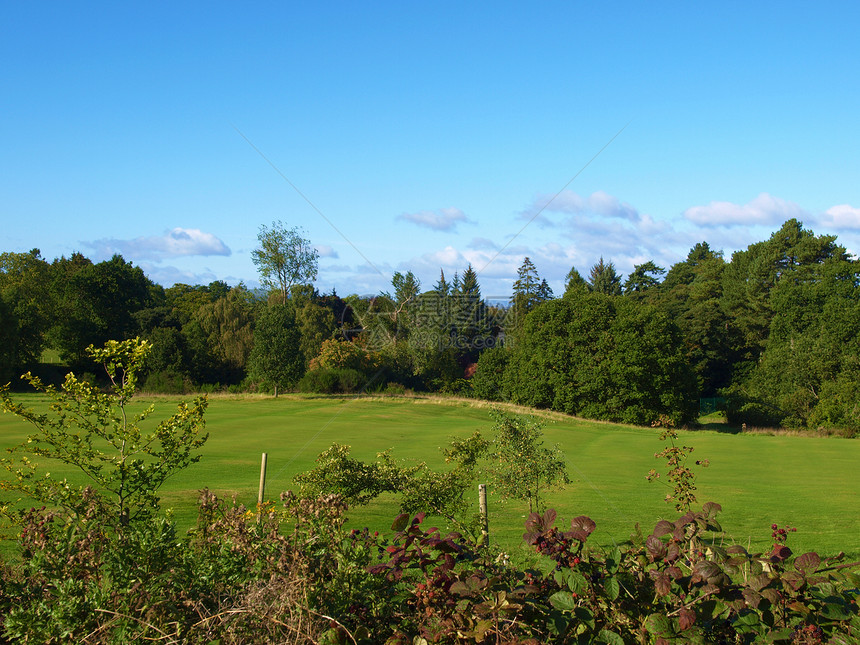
(681, 476)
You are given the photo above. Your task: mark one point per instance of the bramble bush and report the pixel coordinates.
(94, 566)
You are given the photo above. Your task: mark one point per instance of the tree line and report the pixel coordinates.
(772, 330)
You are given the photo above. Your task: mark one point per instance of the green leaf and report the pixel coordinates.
(747, 622)
(614, 560)
(333, 637)
(659, 625)
(546, 566)
(584, 616)
(612, 588)
(576, 582)
(606, 636)
(834, 611)
(557, 623)
(563, 600)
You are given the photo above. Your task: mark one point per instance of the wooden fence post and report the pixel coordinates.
(262, 491)
(482, 509)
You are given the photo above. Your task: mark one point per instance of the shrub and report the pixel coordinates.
(340, 354)
(488, 383)
(165, 382)
(332, 381)
(742, 409)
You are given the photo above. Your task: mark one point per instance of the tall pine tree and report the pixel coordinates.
(604, 279)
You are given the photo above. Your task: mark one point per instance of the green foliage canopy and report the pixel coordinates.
(600, 357)
(284, 258)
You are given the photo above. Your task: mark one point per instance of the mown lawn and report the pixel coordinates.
(806, 482)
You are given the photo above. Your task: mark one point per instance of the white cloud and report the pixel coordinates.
(605, 204)
(177, 242)
(336, 268)
(326, 251)
(842, 216)
(482, 243)
(444, 219)
(598, 203)
(763, 210)
(553, 250)
(586, 228)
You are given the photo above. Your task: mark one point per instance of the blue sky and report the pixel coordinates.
(424, 137)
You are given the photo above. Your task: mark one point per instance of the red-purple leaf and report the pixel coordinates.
(711, 509)
(655, 547)
(663, 527)
(772, 595)
(662, 583)
(584, 524)
(807, 561)
(752, 598)
(400, 522)
(780, 553)
(686, 618)
(533, 523)
(673, 552)
(706, 571)
(759, 582)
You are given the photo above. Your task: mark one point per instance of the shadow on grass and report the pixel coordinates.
(716, 422)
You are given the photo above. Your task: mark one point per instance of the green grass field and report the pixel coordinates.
(806, 482)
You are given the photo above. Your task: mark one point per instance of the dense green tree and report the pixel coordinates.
(691, 295)
(601, 357)
(544, 291)
(526, 286)
(574, 282)
(406, 291)
(603, 279)
(442, 288)
(340, 311)
(8, 343)
(316, 324)
(423, 351)
(489, 382)
(432, 352)
(471, 331)
(95, 303)
(184, 300)
(528, 291)
(276, 358)
(284, 258)
(221, 336)
(25, 287)
(811, 353)
(643, 277)
(752, 275)
(169, 361)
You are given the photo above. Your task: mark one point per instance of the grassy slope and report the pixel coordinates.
(807, 482)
